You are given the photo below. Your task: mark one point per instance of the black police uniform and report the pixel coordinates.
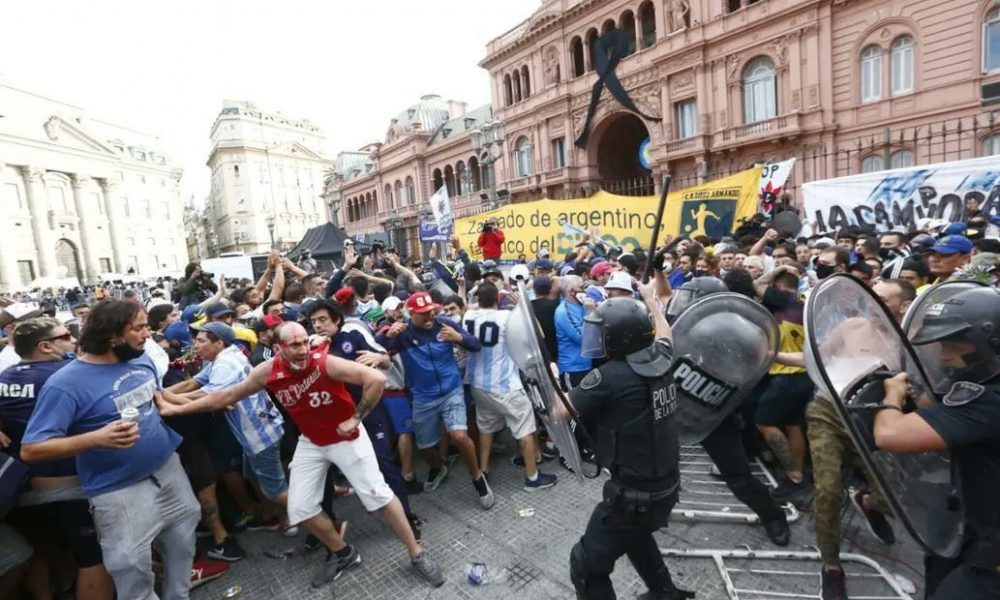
(968, 420)
(638, 443)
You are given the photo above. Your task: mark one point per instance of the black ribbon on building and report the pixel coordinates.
(608, 50)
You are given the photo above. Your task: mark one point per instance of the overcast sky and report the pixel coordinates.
(164, 67)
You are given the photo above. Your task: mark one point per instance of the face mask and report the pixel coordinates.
(824, 271)
(580, 296)
(125, 353)
(700, 273)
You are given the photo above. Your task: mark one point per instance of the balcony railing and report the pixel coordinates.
(784, 124)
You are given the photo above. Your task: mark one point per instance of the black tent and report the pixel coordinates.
(326, 242)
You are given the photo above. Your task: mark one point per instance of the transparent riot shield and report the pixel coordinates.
(852, 345)
(524, 343)
(724, 344)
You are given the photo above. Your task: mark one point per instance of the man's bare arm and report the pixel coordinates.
(372, 382)
(222, 398)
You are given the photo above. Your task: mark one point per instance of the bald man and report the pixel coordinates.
(309, 383)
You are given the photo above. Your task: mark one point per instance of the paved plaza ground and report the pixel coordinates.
(532, 552)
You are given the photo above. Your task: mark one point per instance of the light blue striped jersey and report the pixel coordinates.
(254, 420)
(491, 369)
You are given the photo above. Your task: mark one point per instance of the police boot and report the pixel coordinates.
(777, 529)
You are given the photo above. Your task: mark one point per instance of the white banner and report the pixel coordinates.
(442, 211)
(772, 180)
(900, 198)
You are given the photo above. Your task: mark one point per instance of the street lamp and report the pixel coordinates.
(270, 229)
(213, 243)
(488, 144)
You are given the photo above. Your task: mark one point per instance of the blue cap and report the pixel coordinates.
(544, 263)
(953, 244)
(957, 228)
(192, 313)
(178, 332)
(218, 309)
(220, 330)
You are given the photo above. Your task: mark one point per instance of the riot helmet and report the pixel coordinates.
(970, 321)
(619, 326)
(623, 327)
(699, 287)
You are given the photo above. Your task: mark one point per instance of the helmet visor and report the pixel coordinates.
(680, 300)
(593, 340)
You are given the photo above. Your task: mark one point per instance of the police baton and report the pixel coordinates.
(664, 189)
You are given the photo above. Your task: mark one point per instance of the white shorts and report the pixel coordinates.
(496, 410)
(355, 459)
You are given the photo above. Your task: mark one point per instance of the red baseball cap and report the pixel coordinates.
(421, 302)
(344, 295)
(599, 269)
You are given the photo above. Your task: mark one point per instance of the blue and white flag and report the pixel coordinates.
(441, 208)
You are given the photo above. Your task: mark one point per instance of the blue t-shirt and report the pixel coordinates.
(20, 386)
(84, 397)
(254, 420)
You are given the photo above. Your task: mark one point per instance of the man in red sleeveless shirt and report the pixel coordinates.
(309, 383)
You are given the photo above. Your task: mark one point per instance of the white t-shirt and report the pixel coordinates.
(491, 369)
(8, 358)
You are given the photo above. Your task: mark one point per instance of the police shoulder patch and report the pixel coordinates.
(592, 380)
(962, 393)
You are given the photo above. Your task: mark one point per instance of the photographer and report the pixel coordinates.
(306, 262)
(491, 240)
(197, 285)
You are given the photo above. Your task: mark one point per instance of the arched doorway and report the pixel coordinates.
(68, 260)
(614, 148)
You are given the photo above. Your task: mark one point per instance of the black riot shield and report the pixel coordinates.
(852, 345)
(929, 354)
(723, 345)
(528, 352)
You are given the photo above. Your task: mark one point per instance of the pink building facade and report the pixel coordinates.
(844, 86)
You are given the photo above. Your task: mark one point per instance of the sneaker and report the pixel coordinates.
(876, 521)
(334, 567)
(435, 478)
(541, 482)
(342, 491)
(565, 465)
(202, 531)
(289, 531)
(413, 486)
(674, 594)
(714, 471)
(229, 550)
(425, 566)
(778, 531)
(486, 497)
(834, 587)
(203, 571)
(451, 458)
(415, 523)
(518, 461)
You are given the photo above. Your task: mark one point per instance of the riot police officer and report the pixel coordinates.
(630, 403)
(966, 329)
(724, 444)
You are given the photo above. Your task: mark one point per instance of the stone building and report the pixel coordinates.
(843, 85)
(383, 186)
(81, 197)
(267, 179)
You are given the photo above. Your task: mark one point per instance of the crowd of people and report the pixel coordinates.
(212, 407)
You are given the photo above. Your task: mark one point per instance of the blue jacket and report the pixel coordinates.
(431, 369)
(569, 336)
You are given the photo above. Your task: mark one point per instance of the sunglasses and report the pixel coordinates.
(64, 337)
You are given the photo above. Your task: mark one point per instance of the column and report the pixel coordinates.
(112, 208)
(88, 253)
(9, 275)
(34, 189)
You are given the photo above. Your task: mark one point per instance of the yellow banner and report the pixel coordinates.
(713, 209)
